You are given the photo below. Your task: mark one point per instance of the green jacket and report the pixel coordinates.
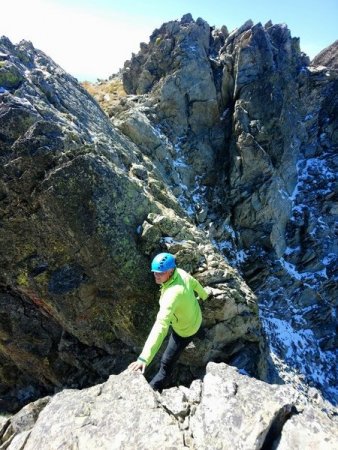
(179, 308)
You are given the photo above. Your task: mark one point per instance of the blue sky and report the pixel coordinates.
(92, 38)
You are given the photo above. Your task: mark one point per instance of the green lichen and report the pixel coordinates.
(9, 79)
(22, 279)
(26, 250)
(60, 251)
(58, 248)
(42, 278)
(108, 337)
(127, 220)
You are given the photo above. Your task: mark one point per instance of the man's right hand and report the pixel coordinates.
(136, 366)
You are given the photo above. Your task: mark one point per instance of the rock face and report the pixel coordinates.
(82, 212)
(248, 142)
(327, 57)
(225, 410)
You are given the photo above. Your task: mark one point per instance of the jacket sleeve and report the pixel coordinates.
(199, 289)
(160, 328)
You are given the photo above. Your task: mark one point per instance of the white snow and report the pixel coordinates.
(180, 163)
(311, 172)
(308, 276)
(328, 259)
(224, 114)
(139, 229)
(283, 193)
(241, 256)
(289, 250)
(301, 351)
(158, 132)
(230, 230)
(170, 241)
(221, 245)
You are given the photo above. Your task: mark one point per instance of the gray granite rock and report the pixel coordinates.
(225, 410)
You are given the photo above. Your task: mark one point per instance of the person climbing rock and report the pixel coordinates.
(179, 308)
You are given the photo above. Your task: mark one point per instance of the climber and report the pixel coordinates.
(179, 308)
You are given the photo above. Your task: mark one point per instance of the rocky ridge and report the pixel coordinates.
(251, 142)
(225, 410)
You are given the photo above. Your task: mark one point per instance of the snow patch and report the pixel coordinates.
(170, 241)
(308, 276)
(241, 257)
(139, 229)
(298, 350)
(289, 250)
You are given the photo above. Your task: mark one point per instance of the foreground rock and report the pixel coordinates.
(225, 410)
(239, 412)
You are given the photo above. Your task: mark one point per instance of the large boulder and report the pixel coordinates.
(237, 412)
(225, 410)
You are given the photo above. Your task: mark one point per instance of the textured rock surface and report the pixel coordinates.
(83, 211)
(327, 57)
(225, 410)
(238, 412)
(311, 429)
(259, 175)
(121, 413)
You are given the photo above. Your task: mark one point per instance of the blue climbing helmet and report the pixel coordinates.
(163, 262)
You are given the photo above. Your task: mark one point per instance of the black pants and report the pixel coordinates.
(171, 354)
